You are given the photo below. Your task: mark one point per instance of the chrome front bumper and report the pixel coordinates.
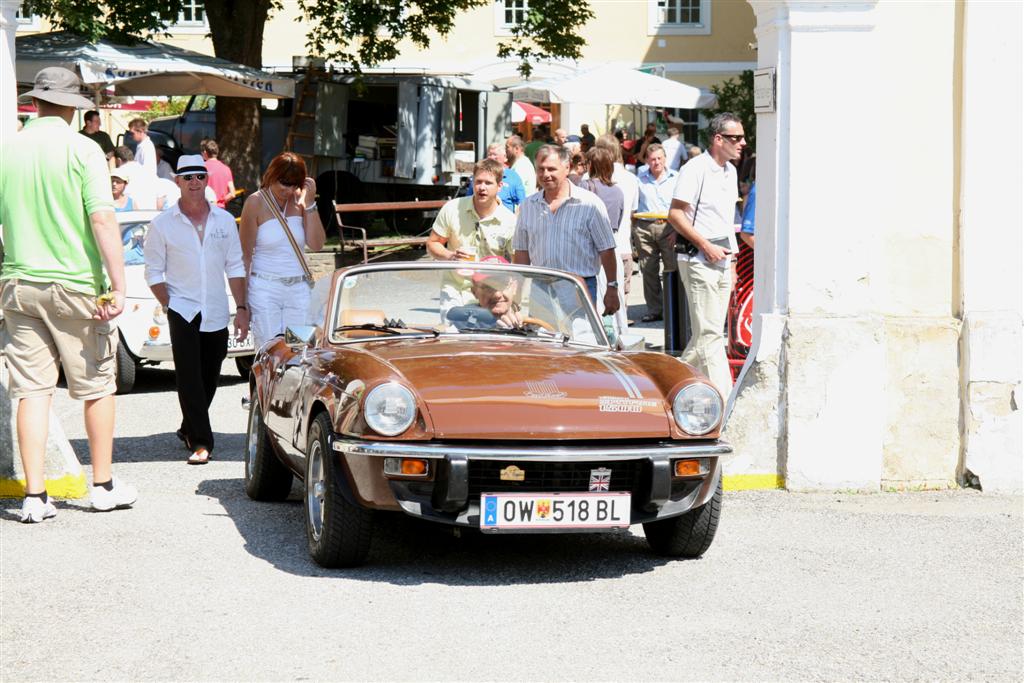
(447, 496)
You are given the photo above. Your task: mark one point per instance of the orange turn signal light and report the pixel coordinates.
(411, 467)
(154, 332)
(688, 468)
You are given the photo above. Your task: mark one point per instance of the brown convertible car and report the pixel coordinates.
(478, 395)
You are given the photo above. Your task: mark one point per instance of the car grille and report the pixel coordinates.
(485, 476)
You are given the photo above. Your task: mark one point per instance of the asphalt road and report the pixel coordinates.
(200, 583)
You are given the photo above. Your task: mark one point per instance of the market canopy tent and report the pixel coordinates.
(615, 85)
(522, 111)
(144, 68)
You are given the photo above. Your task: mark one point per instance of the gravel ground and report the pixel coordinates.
(199, 583)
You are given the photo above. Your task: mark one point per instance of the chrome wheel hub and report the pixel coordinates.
(315, 489)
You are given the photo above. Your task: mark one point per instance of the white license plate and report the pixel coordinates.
(235, 345)
(532, 511)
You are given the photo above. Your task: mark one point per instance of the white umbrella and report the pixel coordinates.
(615, 85)
(144, 68)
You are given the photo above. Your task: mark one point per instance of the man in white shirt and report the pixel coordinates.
(145, 152)
(190, 247)
(675, 149)
(515, 150)
(703, 213)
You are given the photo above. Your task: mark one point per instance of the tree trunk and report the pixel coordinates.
(236, 28)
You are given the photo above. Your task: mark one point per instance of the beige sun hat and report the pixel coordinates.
(59, 86)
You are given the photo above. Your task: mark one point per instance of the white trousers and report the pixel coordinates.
(707, 296)
(273, 306)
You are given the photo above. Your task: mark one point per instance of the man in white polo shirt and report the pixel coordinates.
(703, 213)
(190, 247)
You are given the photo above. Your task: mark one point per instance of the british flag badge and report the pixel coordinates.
(600, 479)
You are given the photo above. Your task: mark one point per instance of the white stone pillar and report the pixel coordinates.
(990, 244)
(8, 78)
(853, 380)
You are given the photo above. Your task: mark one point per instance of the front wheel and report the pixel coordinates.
(689, 534)
(266, 477)
(338, 532)
(124, 368)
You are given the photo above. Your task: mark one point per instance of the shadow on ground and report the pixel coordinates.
(407, 551)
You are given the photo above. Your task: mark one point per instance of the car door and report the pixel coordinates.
(290, 366)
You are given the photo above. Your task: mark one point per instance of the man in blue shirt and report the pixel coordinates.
(652, 233)
(747, 226)
(512, 192)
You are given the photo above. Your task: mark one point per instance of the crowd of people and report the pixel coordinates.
(586, 205)
(62, 289)
(572, 204)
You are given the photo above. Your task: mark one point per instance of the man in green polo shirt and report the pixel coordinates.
(60, 235)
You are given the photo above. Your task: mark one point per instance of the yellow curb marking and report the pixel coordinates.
(751, 482)
(68, 486)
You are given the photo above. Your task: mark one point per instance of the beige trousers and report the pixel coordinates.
(707, 291)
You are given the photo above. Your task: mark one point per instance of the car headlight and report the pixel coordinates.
(697, 409)
(389, 409)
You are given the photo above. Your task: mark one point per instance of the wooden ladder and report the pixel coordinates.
(302, 127)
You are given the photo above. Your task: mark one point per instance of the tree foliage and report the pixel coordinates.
(736, 95)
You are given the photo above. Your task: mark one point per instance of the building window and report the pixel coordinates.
(193, 13)
(26, 22)
(191, 18)
(679, 17)
(508, 14)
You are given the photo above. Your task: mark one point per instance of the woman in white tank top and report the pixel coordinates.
(278, 292)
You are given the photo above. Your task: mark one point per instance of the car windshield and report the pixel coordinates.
(133, 237)
(465, 299)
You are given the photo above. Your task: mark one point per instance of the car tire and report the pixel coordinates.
(266, 477)
(124, 368)
(338, 532)
(244, 365)
(689, 534)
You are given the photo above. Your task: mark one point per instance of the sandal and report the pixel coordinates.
(200, 456)
(650, 318)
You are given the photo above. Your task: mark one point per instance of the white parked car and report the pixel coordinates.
(144, 335)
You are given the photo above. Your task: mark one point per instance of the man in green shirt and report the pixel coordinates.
(60, 235)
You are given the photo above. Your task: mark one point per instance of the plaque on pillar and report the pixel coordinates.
(764, 90)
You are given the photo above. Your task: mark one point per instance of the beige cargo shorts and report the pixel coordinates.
(47, 324)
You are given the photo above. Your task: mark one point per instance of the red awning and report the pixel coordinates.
(523, 111)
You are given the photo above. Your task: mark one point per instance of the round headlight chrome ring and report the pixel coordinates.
(697, 409)
(389, 409)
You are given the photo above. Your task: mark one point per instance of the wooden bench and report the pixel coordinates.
(387, 243)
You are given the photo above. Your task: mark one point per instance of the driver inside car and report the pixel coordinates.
(496, 304)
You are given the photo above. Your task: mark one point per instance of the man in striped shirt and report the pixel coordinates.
(566, 227)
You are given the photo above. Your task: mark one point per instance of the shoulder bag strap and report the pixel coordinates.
(288, 232)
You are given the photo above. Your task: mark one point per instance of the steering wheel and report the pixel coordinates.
(543, 324)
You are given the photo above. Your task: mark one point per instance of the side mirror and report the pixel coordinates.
(300, 335)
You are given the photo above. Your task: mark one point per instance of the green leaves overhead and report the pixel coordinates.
(363, 33)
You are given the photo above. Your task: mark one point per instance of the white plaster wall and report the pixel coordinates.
(855, 230)
(990, 243)
(8, 80)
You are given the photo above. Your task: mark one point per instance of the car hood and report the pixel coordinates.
(529, 390)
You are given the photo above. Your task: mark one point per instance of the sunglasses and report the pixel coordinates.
(189, 177)
(283, 183)
(733, 138)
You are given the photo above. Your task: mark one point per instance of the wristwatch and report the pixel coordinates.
(614, 283)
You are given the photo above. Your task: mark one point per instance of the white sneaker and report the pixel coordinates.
(122, 495)
(35, 510)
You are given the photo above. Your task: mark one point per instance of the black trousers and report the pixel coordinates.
(197, 360)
